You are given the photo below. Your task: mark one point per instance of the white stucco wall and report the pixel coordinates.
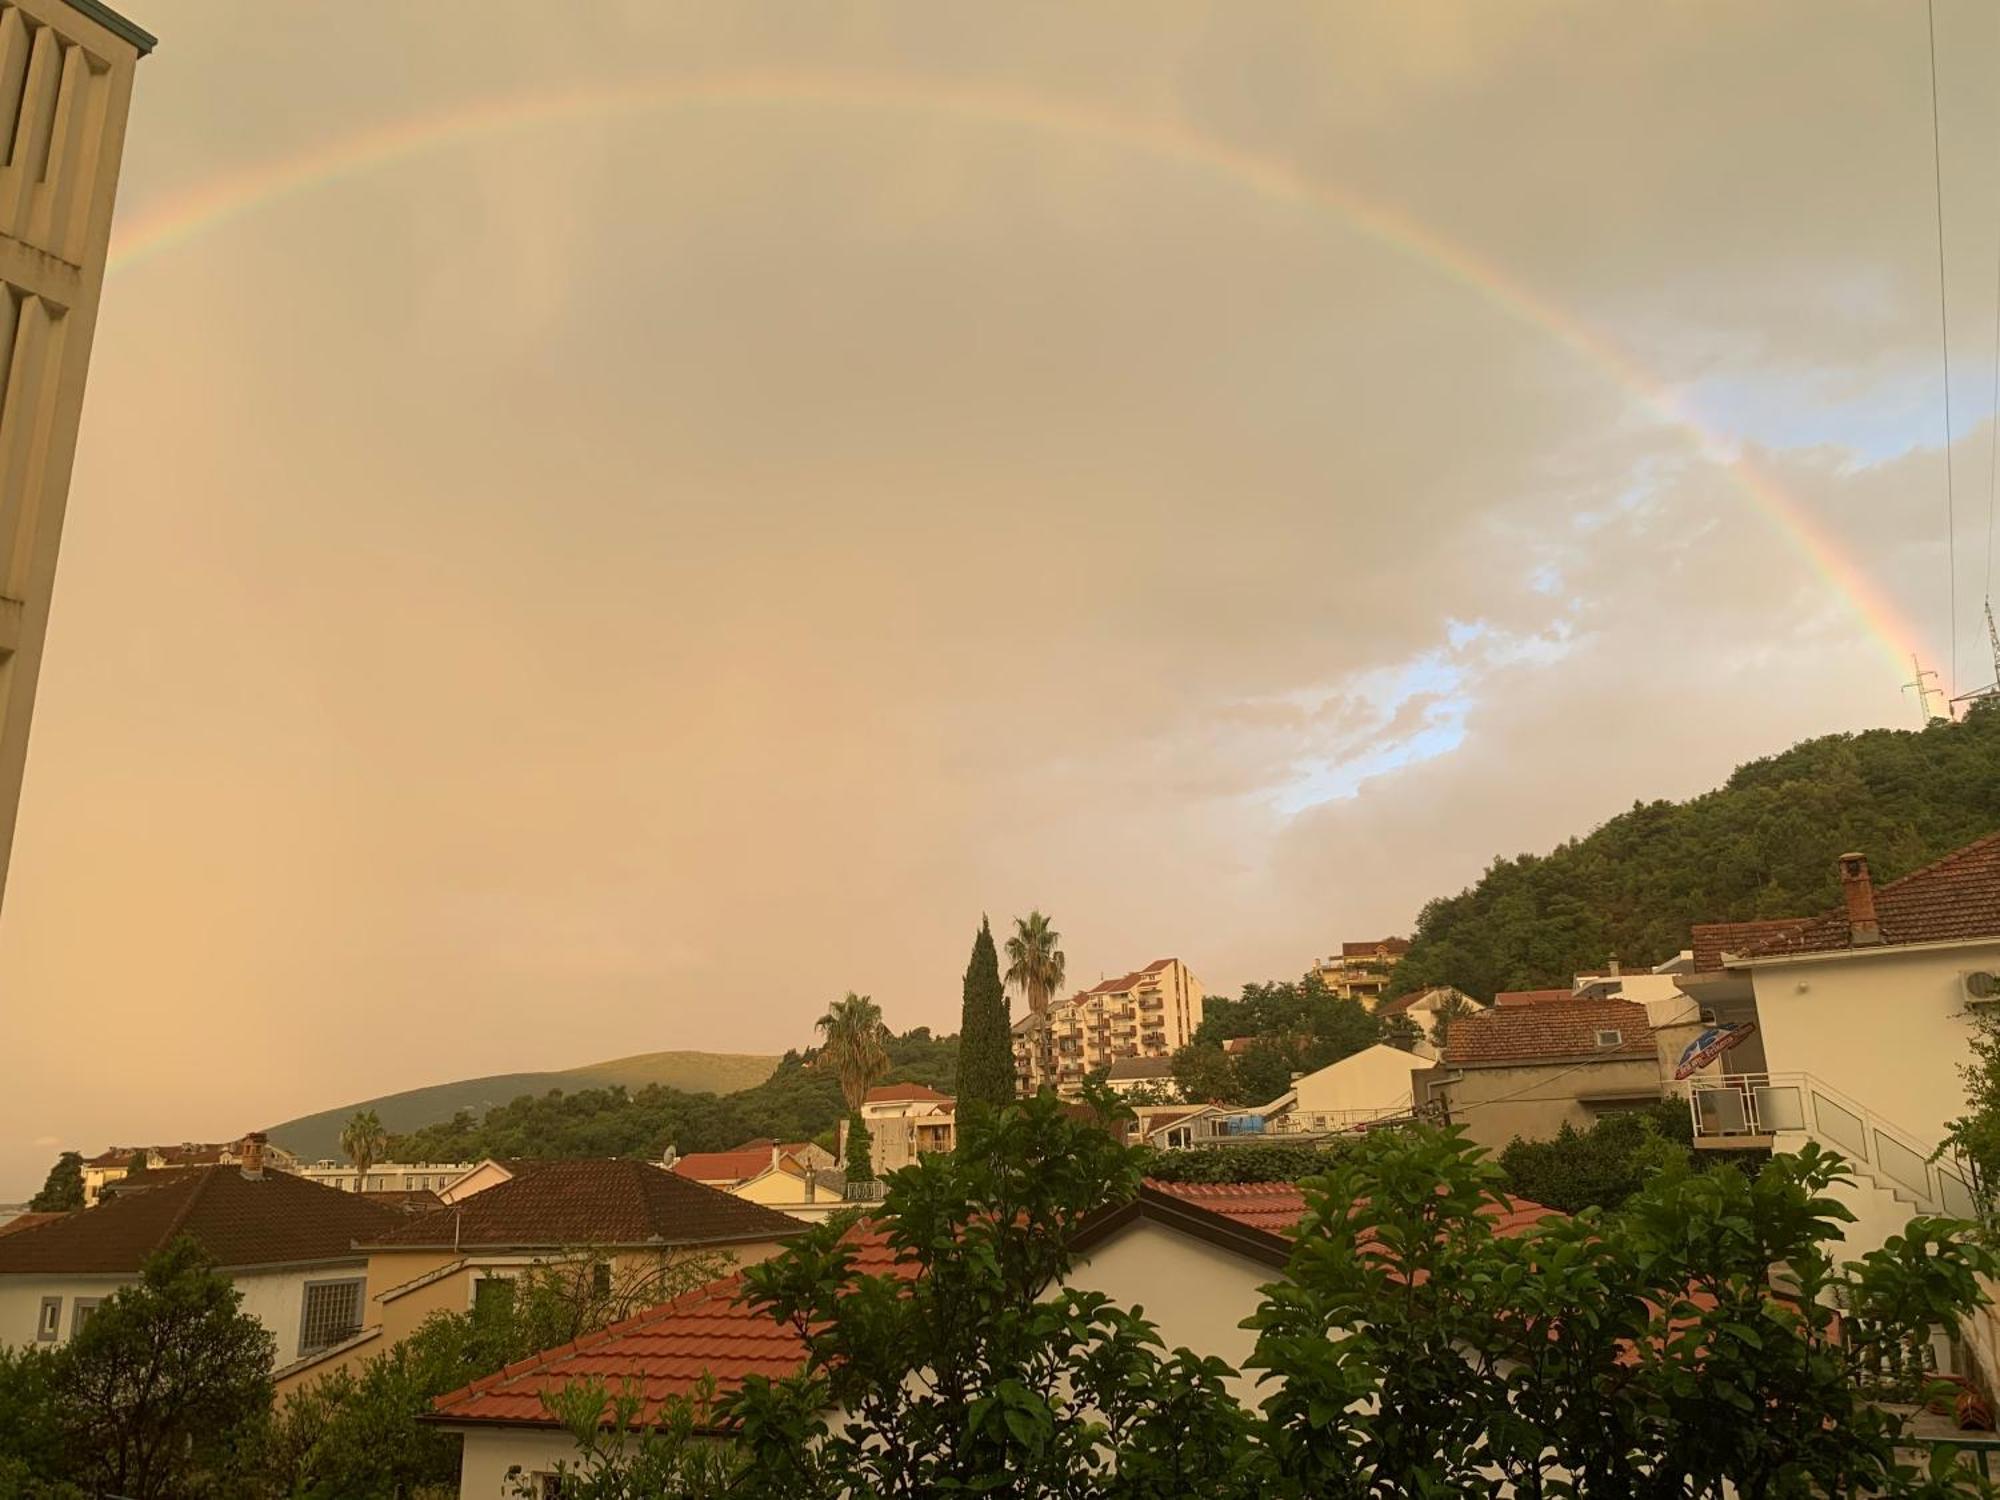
(1195, 1293)
(1887, 1028)
(1375, 1079)
(274, 1298)
(491, 1451)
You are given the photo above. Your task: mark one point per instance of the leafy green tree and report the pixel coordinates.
(1263, 1072)
(362, 1140)
(626, 1454)
(980, 1373)
(31, 1433)
(1204, 1074)
(1452, 1008)
(1035, 964)
(1605, 1165)
(158, 1391)
(985, 1041)
(1764, 844)
(1401, 1030)
(62, 1190)
(860, 1150)
(854, 1043)
(1642, 1353)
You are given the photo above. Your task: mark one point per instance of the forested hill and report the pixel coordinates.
(1761, 845)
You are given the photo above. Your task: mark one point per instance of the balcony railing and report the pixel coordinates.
(1753, 1108)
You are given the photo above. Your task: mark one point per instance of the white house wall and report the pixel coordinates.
(1375, 1079)
(490, 1452)
(1886, 1028)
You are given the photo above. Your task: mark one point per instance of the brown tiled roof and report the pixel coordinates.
(1127, 1069)
(1710, 940)
(29, 1220)
(595, 1201)
(1956, 897)
(1277, 1207)
(276, 1219)
(663, 1352)
(1530, 997)
(409, 1200)
(1394, 947)
(739, 1165)
(902, 1093)
(1548, 1033)
(1123, 982)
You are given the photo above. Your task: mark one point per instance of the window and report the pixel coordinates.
(600, 1279)
(49, 1323)
(332, 1313)
(85, 1306)
(1610, 1038)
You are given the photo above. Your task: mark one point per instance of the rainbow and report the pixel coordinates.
(217, 202)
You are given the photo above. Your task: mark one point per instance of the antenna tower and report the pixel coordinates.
(1920, 683)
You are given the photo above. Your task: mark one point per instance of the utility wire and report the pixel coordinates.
(1944, 340)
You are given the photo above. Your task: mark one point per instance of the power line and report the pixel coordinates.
(1944, 340)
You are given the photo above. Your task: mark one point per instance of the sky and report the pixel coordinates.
(601, 530)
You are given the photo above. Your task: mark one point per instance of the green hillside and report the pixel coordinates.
(1761, 845)
(318, 1135)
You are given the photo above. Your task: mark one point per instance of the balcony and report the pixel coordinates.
(1740, 1111)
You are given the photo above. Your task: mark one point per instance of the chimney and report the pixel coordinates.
(1862, 929)
(774, 1156)
(1614, 968)
(253, 1155)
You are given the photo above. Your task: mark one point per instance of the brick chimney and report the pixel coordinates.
(1859, 890)
(253, 1155)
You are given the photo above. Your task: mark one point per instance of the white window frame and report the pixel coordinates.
(48, 1320)
(1608, 1036)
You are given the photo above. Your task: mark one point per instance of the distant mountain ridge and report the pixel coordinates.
(315, 1136)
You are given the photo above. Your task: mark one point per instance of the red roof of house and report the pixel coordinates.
(1548, 1033)
(275, 1219)
(1531, 997)
(1710, 940)
(739, 1165)
(902, 1093)
(1396, 947)
(1953, 898)
(592, 1201)
(665, 1350)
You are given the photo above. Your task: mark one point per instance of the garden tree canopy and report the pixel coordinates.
(1638, 1353)
(1617, 1156)
(155, 1395)
(1764, 844)
(1297, 1026)
(797, 1102)
(979, 1372)
(62, 1190)
(985, 1042)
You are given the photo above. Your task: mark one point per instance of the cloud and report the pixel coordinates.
(611, 584)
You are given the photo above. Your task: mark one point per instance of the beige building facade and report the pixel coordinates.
(66, 71)
(1360, 971)
(1150, 1013)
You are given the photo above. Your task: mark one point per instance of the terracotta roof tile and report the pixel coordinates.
(1956, 897)
(1277, 1207)
(593, 1202)
(1389, 947)
(1548, 1033)
(29, 1220)
(723, 1166)
(275, 1219)
(665, 1351)
(1710, 940)
(1531, 997)
(1128, 1069)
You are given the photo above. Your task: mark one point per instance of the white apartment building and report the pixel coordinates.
(1152, 1012)
(387, 1176)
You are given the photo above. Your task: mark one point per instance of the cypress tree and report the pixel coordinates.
(985, 1042)
(860, 1150)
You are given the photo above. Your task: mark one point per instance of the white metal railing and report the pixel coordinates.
(1739, 1105)
(1292, 1123)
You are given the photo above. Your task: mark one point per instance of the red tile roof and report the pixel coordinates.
(1548, 1033)
(724, 1166)
(1395, 947)
(1277, 1207)
(1710, 940)
(1954, 898)
(592, 1201)
(1123, 982)
(1531, 997)
(665, 1350)
(276, 1219)
(902, 1093)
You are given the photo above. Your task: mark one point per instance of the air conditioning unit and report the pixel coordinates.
(1980, 986)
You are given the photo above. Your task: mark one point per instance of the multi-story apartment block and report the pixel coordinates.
(1151, 1012)
(66, 69)
(1360, 971)
(387, 1176)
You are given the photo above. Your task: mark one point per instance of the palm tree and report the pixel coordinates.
(855, 1045)
(1034, 962)
(363, 1140)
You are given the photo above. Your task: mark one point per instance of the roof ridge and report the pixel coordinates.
(201, 1177)
(1942, 860)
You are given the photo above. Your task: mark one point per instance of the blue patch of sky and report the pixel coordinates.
(1885, 418)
